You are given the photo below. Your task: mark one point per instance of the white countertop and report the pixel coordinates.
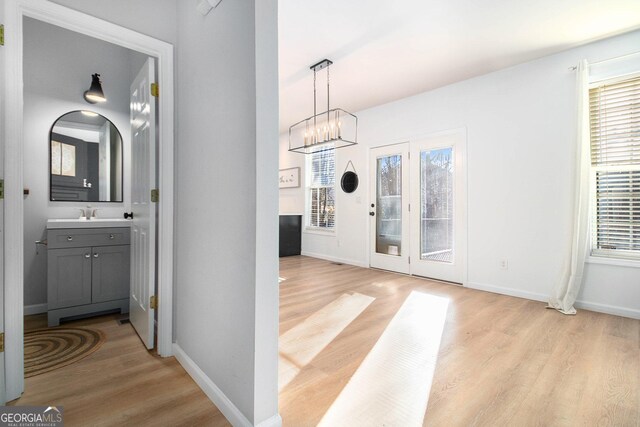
(88, 223)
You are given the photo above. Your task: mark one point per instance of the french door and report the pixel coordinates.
(438, 215)
(389, 208)
(418, 207)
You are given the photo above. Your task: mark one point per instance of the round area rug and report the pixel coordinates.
(49, 349)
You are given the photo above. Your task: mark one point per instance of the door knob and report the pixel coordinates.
(128, 215)
(372, 213)
(69, 238)
(95, 255)
(87, 255)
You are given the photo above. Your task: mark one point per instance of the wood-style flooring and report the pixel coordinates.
(501, 361)
(121, 384)
(366, 347)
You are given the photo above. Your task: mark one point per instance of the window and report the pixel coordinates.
(615, 158)
(321, 190)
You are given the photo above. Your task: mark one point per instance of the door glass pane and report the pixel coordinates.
(389, 205)
(436, 205)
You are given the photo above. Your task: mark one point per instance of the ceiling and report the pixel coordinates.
(387, 50)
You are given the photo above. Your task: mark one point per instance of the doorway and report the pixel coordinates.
(418, 207)
(62, 17)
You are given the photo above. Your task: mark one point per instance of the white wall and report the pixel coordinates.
(520, 123)
(226, 201)
(58, 65)
(291, 199)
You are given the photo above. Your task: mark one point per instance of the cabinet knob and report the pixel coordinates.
(111, 236)
(69, 238)
(87, 255)
(95, 255)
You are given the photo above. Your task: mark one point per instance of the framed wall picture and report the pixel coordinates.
(289, 178)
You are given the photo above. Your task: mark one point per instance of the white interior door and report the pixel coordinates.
(389, 207)
(438, 217)
(143, 228)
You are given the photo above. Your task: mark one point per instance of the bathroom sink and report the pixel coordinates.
(88, 223)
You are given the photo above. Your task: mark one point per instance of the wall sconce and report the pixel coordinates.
(95, 93)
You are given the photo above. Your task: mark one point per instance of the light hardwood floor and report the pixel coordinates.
(121, 384)
(501, 360)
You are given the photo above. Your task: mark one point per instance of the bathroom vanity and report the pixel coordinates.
(88, 267)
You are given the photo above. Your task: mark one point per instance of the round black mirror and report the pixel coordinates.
(349, 182)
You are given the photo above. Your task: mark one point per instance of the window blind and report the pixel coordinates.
(615, 123)
(615, 157)
(321, 189)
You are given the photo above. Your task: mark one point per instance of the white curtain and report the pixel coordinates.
(566, 292)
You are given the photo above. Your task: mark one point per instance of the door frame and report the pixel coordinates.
(43, 10)
(412, 138)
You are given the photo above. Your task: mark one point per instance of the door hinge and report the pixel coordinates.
(2, 342)
(153, 304)
(1, 188)
(155, 195)
(409, 260)
(1, 35)
(409, 207)
(155, 90)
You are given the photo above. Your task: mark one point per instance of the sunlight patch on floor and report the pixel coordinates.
(301, 344)
(391, 387)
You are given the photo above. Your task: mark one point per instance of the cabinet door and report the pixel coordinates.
(110, 273)
(69, 277)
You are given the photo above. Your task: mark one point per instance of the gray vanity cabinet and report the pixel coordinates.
(88, 271)
(69, 277)
(110, 273)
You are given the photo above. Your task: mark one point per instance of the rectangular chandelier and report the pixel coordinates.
(334, 128)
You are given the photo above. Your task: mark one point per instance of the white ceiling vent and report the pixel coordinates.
(205, 6)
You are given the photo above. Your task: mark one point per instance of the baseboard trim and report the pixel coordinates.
(335, 259)
(222, 402)
(608, 309)
(512, 292)
(30, 310)
(583, 305)
(275, 421)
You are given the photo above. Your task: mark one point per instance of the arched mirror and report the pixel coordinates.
(86, 159)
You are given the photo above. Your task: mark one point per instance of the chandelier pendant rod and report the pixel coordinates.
(328, 104)
(315, 125)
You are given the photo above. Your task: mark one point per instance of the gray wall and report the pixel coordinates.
(226, 148)
(57, 70)
(227, 162)
(155, 18)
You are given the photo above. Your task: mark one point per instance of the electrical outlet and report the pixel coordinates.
(504, 264)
